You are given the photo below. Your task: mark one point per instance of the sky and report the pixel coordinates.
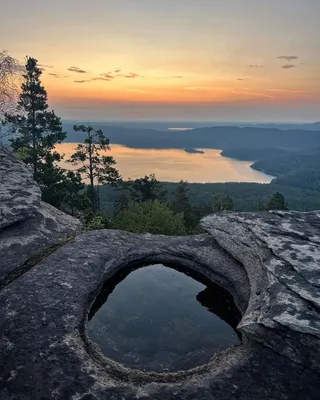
(201, 60)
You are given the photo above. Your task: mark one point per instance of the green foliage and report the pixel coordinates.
(146, 188)
(277, 202)
(38, 130)
(99, 169)
(222, 203)
(150, 216)
(96, 223)
(74, 196)
(123, 202)
(181, 204)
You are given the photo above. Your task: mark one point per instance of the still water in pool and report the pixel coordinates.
(159, 319)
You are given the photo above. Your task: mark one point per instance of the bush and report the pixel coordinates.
(151, 216)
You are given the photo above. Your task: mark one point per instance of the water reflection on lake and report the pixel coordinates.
(159, 319)
(173, 165)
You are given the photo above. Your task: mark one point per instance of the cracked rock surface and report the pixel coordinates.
(28, 226)
(269, 262)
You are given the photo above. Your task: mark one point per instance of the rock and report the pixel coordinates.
(19, 194)
(29, 228)
(280, 252)
(46, 352)
(269, 262)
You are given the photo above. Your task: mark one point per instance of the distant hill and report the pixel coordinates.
(217, 137)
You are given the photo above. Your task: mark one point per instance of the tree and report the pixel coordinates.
(74, 196)
(38, 129)
(150, 216)
(10, 72)
(181, 204)
(123, 202)
(146, 188)
(97, 168)
(277, 202)
(180, 201)
(222, 203)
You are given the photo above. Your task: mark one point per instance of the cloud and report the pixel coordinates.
(200, 88)
(58, 76)
(45, 66)
(117, 70)
(287, 58)
(83, 81)
(129, 75)
(177, 76)
(287, 66)
(78, 70)
(242, 79)
(108, 75)
(101, 79)
(255, 66)
(286, 91)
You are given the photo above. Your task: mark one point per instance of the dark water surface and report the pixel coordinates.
(159, 319)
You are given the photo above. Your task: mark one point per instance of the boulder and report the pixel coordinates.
(29, 228)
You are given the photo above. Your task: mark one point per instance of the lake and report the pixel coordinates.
(172, 165)
(160, 319)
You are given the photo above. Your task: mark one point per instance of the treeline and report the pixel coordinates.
(245, 196)
(299, 168)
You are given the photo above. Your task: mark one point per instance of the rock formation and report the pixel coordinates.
(269, 262)
(28, 226)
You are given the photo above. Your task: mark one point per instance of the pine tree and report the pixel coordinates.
(277, 202)
(222, 203)
(147, 188)
(74, 195)
(97, 168)
(38, 130)
(181, 203)
(123, 202)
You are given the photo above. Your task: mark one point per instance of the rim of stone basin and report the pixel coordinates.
(118, 370)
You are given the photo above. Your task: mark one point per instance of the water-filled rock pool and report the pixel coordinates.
(159, 319)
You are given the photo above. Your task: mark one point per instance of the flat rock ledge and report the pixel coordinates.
(269, 262)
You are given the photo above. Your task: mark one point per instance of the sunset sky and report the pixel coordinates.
(213, 60)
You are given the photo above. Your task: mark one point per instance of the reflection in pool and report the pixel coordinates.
(159, 319)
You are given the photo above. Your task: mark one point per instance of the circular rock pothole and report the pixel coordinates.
(159, 319)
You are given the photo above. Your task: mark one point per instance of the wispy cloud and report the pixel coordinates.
(131, 75)
(286, 91)
(288, 66)
(255, 66)
(58, 76)
(83, 81)
(101, 79)
(177, 76)
(242, 79)
(45, 66)
(78, 70)
(108, 76)
(199, 88)
(117, 70)
(287, 58)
